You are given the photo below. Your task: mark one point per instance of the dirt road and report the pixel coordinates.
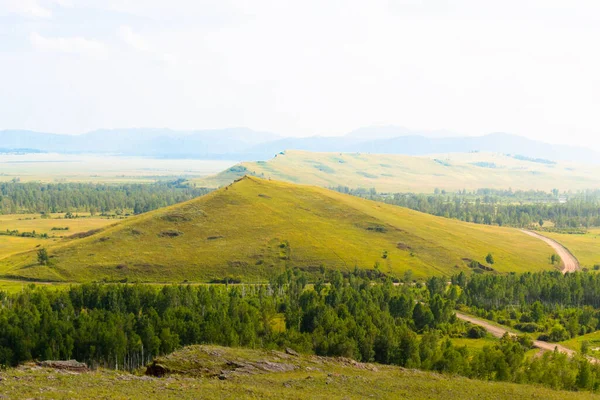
(570, 263)
(499, 332)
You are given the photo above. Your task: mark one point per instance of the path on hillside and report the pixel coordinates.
(498, 332)
(570, 263)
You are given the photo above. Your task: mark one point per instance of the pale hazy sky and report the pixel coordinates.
(529, 67)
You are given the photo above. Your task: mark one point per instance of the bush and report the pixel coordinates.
(476, 332)
(525, 341)
(558, 333)
(528, 327)
(525, 318)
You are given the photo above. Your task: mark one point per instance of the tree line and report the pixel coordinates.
(35, 197)
(497, 207)
(549, 305)
(368, 319)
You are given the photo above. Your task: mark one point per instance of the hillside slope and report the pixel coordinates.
(252, 374)
(256, 227)
(401, 173)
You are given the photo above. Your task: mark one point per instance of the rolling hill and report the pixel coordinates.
(244, 144)
(401, 173)
(255, 227)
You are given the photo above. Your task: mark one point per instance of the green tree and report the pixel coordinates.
(422, 316)
(489, 259)
(537, 311)
(585, 379)
(42, 256)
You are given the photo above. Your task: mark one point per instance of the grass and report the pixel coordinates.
(255, 228)
(401, 173)
(11, 245)
(50, 167)
(33, 222)
(475, 344)
(12, 286)
(593, 339)
(308, 377)
(586, 247)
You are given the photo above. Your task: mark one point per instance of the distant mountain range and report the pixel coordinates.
(243, 144)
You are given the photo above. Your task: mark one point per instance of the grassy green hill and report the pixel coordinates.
(255, 227)
(399, 173)
(262, 374)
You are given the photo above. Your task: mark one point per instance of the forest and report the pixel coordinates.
(359, 315)
(35, 197)
(499, 207)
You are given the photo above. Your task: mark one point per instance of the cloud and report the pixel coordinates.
(141, 44)
(133, 39)
(37, 9)
(26, 8)
(69, 45)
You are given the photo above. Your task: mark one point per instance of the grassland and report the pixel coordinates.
(33, 222)
(275, 375)
(11, 245)
(49, 167)
(585, 247)
(474, 344)
(255, 228)
(400, 173)
(593, 340)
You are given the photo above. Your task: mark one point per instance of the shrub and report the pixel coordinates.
(528, 327)
(476, 332)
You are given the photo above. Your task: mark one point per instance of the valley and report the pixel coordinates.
(256, 234)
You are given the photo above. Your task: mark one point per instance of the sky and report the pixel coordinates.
(301, 68)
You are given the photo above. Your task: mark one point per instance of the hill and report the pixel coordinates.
(256, 227)
(247, 144)
(396, 140)
(210, 143)
(399, 173)
(262, 374)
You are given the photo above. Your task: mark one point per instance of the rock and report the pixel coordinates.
(156, 370)
(71, 365)
(291, 352)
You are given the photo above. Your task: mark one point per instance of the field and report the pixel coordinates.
(33, 222)
(274, 375)
(400, 173)
(593, 340)
(48, 167)
(10, 245)
(586, 247)
(255, 228)
(474, 344)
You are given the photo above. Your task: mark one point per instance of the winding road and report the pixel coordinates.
(570, 263)
(498, 332)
